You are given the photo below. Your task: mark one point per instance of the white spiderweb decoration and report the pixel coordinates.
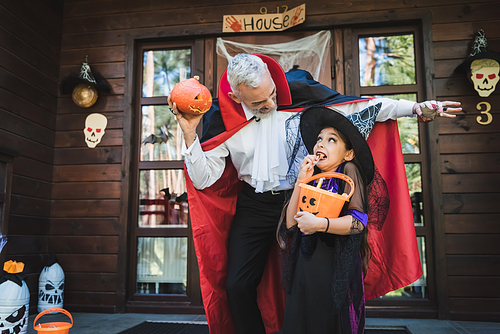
(3, 241)
(86, 73)
(309, 52)
(480, 43)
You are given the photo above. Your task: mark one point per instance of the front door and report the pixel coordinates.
(374, 62)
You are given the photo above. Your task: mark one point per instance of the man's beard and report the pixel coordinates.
(262, 112)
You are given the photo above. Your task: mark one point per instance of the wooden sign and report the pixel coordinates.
(264, 22)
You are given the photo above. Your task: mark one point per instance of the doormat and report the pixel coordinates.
(149, 327)
(386, 330)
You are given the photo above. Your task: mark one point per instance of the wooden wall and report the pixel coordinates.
(30, 37)
(88, 224)
(470, 167)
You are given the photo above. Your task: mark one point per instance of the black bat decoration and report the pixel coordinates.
(162, 138)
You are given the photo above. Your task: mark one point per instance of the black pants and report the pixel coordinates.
(252, 232)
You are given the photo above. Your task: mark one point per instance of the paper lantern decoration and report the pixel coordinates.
(191, 96)
(85, 86)
(95, 124)
(14, 299)
(84, 95)
(51, 285)
(482, 67)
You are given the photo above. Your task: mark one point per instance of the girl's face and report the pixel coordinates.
(331, 150)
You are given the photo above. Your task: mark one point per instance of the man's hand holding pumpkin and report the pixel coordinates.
(187, 122)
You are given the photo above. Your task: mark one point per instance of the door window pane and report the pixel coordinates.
(408, 134)
(161, 265)
(417, 289)
(163, 69)
(386, 60)
(413, 175)
(163, 198)
(161, 137)
(408, 126)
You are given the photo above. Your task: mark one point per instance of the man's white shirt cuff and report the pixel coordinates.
(405, 108)
(193, 152)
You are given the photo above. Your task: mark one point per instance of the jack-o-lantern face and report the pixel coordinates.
(191, 96)
(51, 287)
(14, 322)
(51, 293)
(308, 204)
(14, 303)
(321, 202)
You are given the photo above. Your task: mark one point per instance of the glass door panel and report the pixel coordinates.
(163, 69)
(162, 265)
(163, 199)
(386, 60)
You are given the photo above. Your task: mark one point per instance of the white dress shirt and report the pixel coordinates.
(265, 169)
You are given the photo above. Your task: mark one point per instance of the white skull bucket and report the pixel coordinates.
(14, 307)
(51, 287)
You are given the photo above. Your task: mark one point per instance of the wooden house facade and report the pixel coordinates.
(85, 204)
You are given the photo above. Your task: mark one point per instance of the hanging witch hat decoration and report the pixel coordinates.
(482, 67)
(84, 87)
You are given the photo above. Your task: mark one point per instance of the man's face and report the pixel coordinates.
(261, 101)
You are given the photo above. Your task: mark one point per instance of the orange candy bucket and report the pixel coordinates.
(320, 202)
(53, 327)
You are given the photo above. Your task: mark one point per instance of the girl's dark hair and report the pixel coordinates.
(364, 246)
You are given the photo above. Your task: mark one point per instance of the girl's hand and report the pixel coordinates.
(309, 223)
(306, 168)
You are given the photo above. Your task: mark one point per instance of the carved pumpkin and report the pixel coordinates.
(320, 202)
(191, 96)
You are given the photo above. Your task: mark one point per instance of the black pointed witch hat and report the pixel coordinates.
(87, 77)
(479, 51)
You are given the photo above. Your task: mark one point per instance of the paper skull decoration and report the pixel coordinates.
(482, 67)
(95, 124)
(191, 96)
(51, 285)
(484, 75)
(14, 299)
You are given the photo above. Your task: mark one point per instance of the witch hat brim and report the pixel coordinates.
(465, 66)
(314, 119)
(69, 83)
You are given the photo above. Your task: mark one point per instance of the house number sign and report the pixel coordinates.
(489, 117)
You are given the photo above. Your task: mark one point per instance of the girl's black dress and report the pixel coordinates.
(323, 274)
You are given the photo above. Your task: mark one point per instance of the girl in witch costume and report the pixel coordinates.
(326, 258)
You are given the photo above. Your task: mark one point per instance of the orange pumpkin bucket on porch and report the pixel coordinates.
(53, 327)
(320, 202)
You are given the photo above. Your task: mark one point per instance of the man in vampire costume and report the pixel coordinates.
(237, 179)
